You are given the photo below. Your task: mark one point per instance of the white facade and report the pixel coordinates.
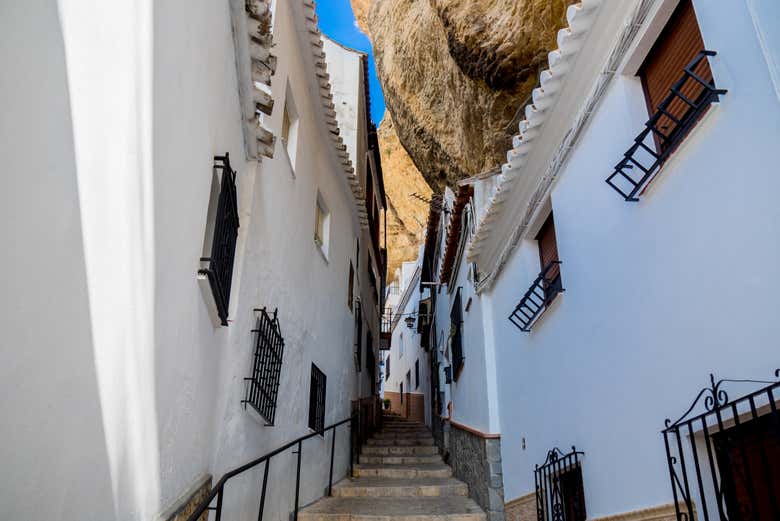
(659, 293)
(119, 391)
(408, 360)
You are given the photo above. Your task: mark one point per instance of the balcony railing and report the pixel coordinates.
(263, 386)
(542, 292)
(672, 121)
(219, 269)
(722, 454)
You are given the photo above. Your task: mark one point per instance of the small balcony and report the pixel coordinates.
(688, 100)
(545, 287)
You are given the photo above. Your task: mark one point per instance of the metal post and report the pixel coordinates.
(262, 492)
(219, 505)
(297, 481)
(330, 475)
(351, 446)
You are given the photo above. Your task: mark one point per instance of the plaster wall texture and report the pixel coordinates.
(649, 309)
(46, 387)
(129, 393)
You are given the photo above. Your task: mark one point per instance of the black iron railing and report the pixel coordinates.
(219, 270)
(317, 389)
(263, 386)
(672, 121)
(456, 344)
(724, 462)
(356, 438)
(560, 495)
(545, 287)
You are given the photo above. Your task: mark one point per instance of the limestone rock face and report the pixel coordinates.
(455, 74)
(406, 215)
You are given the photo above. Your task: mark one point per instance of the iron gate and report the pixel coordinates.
(559, 490)
(724, 461)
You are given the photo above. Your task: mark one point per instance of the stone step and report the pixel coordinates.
(390, 487)
(453, 508)
(410, 434)
(388, 450)
(411, 428)
(399, 460)
(419, 470)
(401, 441)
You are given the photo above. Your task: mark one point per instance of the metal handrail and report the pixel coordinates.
(218, 489)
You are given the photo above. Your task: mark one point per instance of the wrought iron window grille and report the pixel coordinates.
(262, 388)
(317, 399)
(559, 490)
(219, 269)
(456, 326)
(644, 158)
(723, 454)
(545, 287)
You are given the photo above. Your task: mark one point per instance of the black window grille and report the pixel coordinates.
(219, 269)
(417, 373)
(263, 386)
(560, 495)
(371, 367)
(456, 331)
(317, 399)
(643, 158)
(723, 455)
(545, 287)
(358, 338)
(369, 349)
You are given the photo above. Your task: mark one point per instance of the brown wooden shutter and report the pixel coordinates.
(678, 44)
(548, 246)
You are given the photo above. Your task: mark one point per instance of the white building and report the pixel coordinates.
(664, 284)
(407, 365)
(128, 360)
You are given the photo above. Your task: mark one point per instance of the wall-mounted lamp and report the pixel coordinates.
(409, 322)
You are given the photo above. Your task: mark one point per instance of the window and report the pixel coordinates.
(350, 286)
(387, 368)
(417, 374)
(546, 286)
(559, 489)
(358, 338)
(548, 257)
(456, 334)
(679, 89)
(289, 134)
(219, 248)
(402, 392)
(401, 345)
(317, 400)
(369, 350)
(321, 226)
(263, 386)
(678, 44)
(742, 455)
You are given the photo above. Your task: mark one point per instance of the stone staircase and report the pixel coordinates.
(401, 477)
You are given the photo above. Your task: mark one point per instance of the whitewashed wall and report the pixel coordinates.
(403, 362)
(119, 392)
(658, 293)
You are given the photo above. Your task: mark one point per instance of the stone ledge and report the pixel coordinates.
(658, 513)
(185, 504)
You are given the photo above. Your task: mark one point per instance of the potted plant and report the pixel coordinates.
(386, 401)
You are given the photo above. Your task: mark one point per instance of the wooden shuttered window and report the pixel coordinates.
(548, 248)
(677, 45)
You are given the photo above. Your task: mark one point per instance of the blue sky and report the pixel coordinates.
(338, 22)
